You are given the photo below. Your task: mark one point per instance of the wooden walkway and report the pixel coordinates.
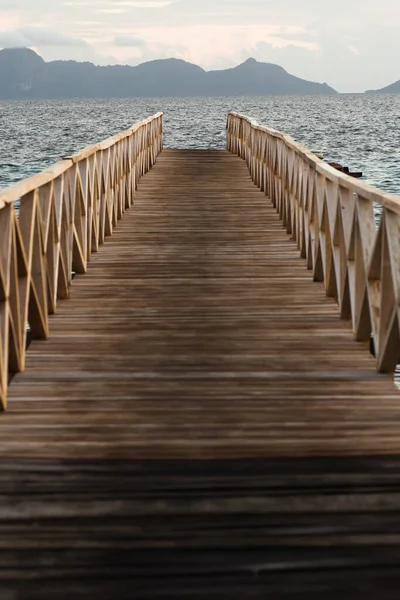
(198, 334)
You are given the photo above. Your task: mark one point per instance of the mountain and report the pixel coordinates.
(393, 88)
(21, 70)
(24, 74)
(262, 79)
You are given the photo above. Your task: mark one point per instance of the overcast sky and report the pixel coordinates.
(353, 45)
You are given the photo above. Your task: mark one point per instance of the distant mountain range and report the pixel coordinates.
(24, 74)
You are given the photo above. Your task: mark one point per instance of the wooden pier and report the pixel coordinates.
(200, 421)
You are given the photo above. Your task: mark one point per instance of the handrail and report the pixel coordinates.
(331, 217)
(65, 214)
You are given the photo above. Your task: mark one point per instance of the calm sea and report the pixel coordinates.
(360, 131)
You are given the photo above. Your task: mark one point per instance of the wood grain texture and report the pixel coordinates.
(200, 422)
(331, 217)
(198, 332)
(65, 214)
(271, 528)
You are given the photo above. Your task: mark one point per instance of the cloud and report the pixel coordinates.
(9, 20)
(309, 39)
(112, 11)
(144, 3)
(128, 42)
(37, 36)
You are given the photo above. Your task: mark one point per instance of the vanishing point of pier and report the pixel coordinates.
(191, 406)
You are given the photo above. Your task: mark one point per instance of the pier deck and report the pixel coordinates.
(200, 423)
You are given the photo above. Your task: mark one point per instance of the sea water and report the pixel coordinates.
(358, 130)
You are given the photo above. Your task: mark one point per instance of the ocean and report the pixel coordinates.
(359, 131)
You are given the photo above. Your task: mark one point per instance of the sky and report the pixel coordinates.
(353, 45)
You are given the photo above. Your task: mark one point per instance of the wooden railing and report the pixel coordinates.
(331, 217)
(65, 214)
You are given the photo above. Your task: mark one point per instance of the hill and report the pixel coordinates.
(393, 88)
(24, 74)
(262, 79)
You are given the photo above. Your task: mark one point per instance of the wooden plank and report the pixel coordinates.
(198, 529)
(200, 297)
(57, 230)
(200, 422)
(343, 235)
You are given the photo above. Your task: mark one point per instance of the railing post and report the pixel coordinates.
(65, 213)
(331, 218)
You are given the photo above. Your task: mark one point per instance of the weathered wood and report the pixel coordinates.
(65, 213)
(171, 437)
(198, 331)
(279, 528)
(331, 218)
